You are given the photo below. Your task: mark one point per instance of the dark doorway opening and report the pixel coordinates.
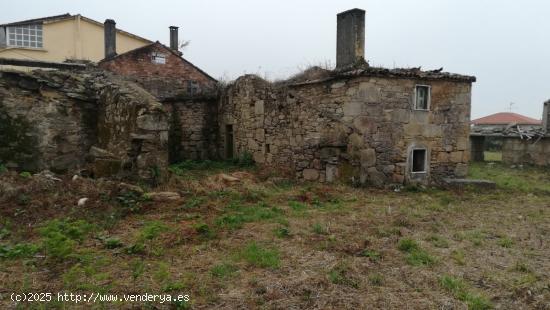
(228, 141)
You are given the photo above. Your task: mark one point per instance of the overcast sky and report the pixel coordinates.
(504, 43)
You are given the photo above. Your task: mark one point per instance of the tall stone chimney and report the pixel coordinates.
(350, 37)
(546, 117)
(174, 38)
(110, 38)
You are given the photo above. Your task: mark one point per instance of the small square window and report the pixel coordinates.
(158, 58)
(422, 97)
(419, 160)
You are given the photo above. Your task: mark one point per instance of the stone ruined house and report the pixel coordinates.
(523, 140)
(356, 123)
(187, 93)
(360, 123)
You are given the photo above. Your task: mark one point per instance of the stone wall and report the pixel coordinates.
(359, 128)
(522, 151)
(47, 120)
(67, 121)
(193, 129)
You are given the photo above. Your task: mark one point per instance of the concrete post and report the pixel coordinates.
(350, 37)
(110, 38)
(174, 38)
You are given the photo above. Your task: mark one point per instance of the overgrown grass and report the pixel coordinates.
(242, 161)
(260, 256)
(461, 291)
(341, 274)
(224, 270)
(416, 256)
(526, 179)
(237, 215)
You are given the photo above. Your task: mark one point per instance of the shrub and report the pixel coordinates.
(3, 168)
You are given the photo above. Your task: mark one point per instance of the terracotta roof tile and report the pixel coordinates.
(506, 118)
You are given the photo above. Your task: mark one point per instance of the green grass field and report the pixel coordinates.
(263, 244)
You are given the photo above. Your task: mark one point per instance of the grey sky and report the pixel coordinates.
(504, 43)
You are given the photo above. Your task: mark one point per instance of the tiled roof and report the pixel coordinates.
(506, 118)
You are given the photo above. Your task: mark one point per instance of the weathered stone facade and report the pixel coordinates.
(63, 121)
(357, 126)
(522, 151)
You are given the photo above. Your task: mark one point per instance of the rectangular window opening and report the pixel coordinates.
(419, 160)
(422, 97)
(158, 58)
(267, 150)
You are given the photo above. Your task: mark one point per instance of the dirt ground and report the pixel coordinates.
(261, 242)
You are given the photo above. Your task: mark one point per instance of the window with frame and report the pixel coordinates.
(422, 97)
(419, 160)
(158, 58)
(25, 36)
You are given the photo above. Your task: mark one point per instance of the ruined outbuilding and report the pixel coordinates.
(522, 143)
(150, 106)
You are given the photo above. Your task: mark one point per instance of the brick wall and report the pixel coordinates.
(176, 77)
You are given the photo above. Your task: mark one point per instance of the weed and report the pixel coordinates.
(3, 168)
(25, 174)
(438, 241)
(112, 243)
(407, 245)
(145, 238)
(420, 258)
(204, 230)
(505, 242)
(282, 232)
(239, 214)
(522, 267)
(162, 274)
(297, 206)
(137, 267)
(223, 271)
(373, 255)
(340, 274)
(319, 229)
(376, 279)
(61, 236)
(20, 250)
(174, 286)
(23, 199)
(259, 256)
(193, 203)
(458, 257)
(131, 201)
(460, 290)
(415, 255)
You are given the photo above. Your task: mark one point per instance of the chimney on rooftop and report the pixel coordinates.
(174, 38)
(110, 38)
(546, 117)
(350, 37)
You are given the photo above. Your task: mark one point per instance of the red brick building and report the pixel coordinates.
(162, 71)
